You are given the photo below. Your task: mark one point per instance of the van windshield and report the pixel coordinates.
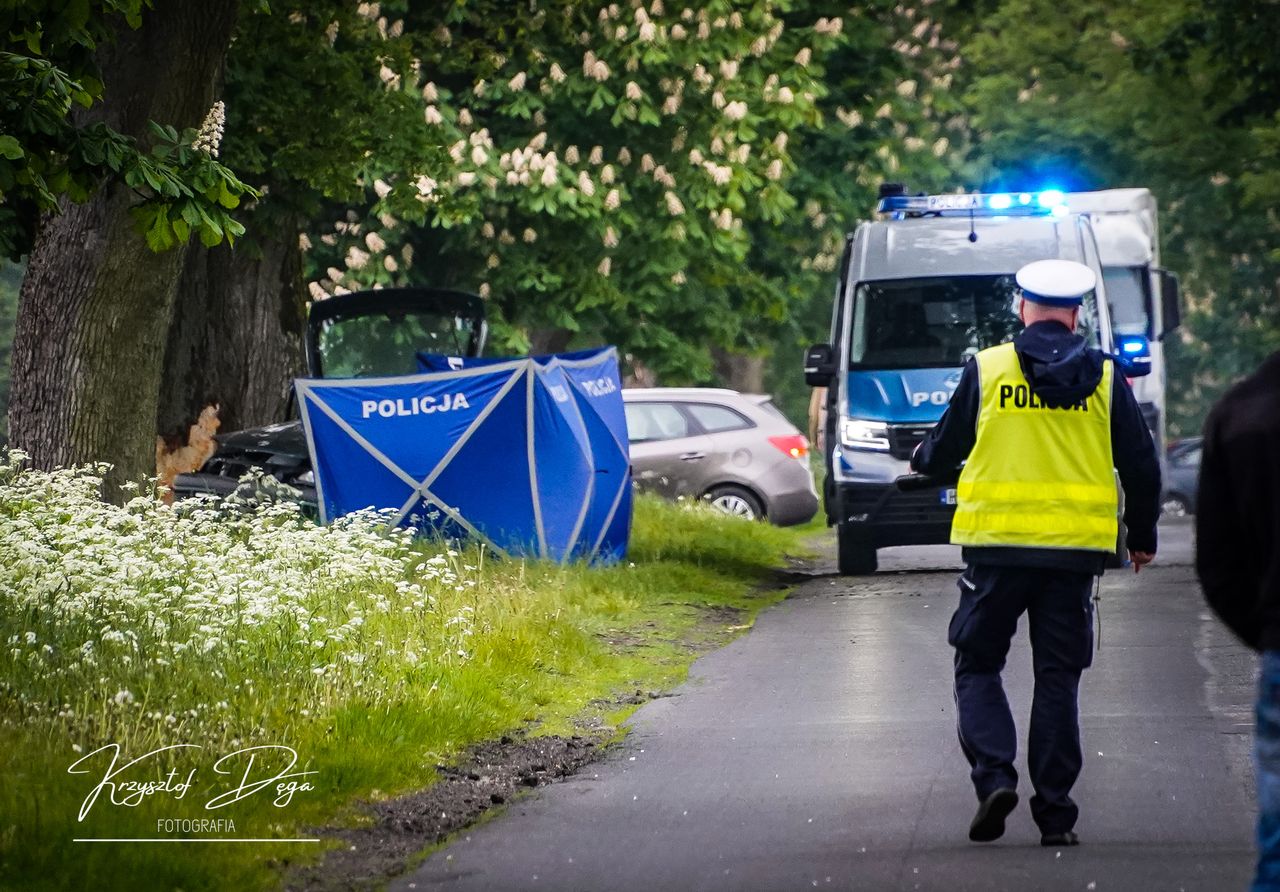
(937, 322)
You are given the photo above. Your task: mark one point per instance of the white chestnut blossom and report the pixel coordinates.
(612, 200)
(356, 259)
(605, 265)
(804, 56)
(633, 91)
(529, 236)
(556, 73)
(674, 206)
(375, 243)
(610, 237)
(585, 185)
(518, 81)
(735, 111)
(433, 116)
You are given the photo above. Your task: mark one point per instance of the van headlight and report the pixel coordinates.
(856, 433)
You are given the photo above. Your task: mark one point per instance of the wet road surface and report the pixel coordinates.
(819, 751)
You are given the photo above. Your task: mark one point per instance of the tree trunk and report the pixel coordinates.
(738, 371)
(236, 337)
(96, 302)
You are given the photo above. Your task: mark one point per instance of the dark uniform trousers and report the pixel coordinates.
(1060, 613)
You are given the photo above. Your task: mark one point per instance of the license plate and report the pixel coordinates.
(947, 496)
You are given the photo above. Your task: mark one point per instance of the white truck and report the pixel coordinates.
(1143, 298)
(920, 291)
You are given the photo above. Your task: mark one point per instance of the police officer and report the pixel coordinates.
(1039, 424)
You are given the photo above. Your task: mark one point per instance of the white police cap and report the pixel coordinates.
(1056, 283)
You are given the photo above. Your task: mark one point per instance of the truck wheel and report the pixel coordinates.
(857, 551)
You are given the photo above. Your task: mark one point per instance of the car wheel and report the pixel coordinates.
(736, 502)
(1174, 506)
(856, 550)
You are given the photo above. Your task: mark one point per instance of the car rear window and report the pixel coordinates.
(714, 419)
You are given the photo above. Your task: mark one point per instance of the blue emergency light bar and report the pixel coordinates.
(998, 204)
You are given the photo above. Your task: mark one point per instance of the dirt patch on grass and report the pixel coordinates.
(487, 778)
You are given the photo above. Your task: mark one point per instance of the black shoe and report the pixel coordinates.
(988, 823)
(1066, 838)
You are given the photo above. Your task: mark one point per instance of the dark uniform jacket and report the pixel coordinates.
(1238, 508)
(1061, 370)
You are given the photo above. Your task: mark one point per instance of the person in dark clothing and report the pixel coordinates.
(1238, 562)
(1040, 426)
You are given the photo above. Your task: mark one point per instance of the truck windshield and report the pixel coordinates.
(937, 322)
(387, 343)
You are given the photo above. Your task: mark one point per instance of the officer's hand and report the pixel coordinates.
(1140, 559)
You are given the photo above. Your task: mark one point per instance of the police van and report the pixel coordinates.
(920, 291)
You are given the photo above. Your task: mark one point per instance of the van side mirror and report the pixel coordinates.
(1170, 302)
(819, 365)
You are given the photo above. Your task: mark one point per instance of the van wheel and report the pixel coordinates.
(736, 502)
(856, 550)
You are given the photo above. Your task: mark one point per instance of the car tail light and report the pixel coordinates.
(795, 446)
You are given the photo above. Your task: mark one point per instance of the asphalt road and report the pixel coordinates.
(819, 751)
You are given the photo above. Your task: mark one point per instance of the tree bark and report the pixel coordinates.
(236, 336)
(96, 302)
(738, 371)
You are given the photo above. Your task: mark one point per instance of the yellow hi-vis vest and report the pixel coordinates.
(1037, 477)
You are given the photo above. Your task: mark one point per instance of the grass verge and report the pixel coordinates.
(375, 658)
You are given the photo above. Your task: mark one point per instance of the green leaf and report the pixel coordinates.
(10, 148)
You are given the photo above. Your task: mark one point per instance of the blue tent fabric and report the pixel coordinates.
(529, 454)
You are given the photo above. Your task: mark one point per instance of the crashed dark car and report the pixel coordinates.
(363, 334)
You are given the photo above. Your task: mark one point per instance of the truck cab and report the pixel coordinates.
(1142, 298)
(921, 290)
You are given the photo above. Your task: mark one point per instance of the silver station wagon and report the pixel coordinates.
(737, 451)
